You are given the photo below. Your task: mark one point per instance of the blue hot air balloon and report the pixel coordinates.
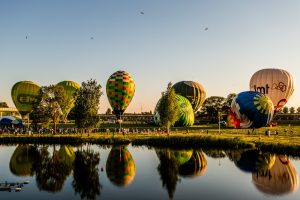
(251, 110)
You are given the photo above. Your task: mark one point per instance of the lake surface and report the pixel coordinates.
(126, 172)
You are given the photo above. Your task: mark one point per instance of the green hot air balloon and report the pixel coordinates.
(24, 94)
(70, 88)
(186, 113)
(120, 89)
(193, 91)
(120, 167)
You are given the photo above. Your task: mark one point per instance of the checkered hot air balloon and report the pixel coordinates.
(120, 88)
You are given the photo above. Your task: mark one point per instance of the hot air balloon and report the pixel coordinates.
(280, 179)
(66, 155)
(24, 94)
(120, 88)
(70, 87)
(23, 160)
(193, 91)
(277, 84)
(120, 167)
(186, 113)
(251, 110)
(196, 166)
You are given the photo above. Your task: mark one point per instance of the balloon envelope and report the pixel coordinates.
(193, 91)
(251, 110)
(277, 84)
(186, 113)
(70, 87)
(120, 88)
(24, 94)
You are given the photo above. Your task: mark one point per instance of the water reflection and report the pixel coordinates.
(22, 162)
(52, 171)
(51, 165)
(271, 174)
(279, 179)
(120, 167)
(186, 163)
(86, 181)
(195, 166)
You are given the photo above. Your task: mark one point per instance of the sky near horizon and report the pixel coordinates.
(83, 39)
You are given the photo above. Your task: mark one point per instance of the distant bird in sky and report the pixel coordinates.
(92, 38)
(26, 37)
(206, 29)
(142, 13)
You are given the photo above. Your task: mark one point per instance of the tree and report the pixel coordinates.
(212, 106)
(298, 110)
(227, 103)
(285, 110)
(3, 105)
(87, 105)
(86, 181)
(168, 109)
(292, 110)
(108, 111)
(52, 100)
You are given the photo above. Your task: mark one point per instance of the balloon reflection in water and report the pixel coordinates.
(195, 166)
(254, 160)
(281, 178)
(23, 160)
(120, 167)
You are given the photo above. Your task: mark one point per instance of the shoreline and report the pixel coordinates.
(284, 144)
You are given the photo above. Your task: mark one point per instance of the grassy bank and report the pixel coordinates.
(287, 142)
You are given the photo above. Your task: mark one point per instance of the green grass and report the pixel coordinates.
(196, 137)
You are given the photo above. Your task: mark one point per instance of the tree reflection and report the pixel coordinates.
(86, 181)
(168, 169)
(51, 172)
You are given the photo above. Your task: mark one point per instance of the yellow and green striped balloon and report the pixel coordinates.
(120, 88)
(24, 94)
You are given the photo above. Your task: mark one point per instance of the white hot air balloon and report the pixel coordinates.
(277, 84)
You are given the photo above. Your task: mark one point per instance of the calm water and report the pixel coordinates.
(97, 172)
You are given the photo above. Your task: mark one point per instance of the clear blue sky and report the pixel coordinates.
(167, 43)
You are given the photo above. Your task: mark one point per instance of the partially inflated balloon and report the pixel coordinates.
(24, 94)
(120, 167)
(70, 87)
(251, 110)
(193, 91)
(120, 88)
(277, 84)
(186, 113)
